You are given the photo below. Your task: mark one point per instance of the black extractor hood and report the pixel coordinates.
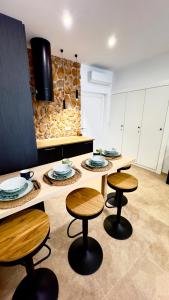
(41, 55)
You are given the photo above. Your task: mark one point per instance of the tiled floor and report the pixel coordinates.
(134, 269)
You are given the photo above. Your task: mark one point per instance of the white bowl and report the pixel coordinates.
(13, 184)
(61, 169)
(97, 159)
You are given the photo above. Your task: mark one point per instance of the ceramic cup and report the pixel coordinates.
(67, 161)
(27, 174)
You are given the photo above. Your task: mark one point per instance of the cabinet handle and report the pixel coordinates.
(161, 129)
(49, 149)
(138, 127)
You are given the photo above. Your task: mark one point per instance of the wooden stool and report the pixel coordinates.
(116, 225)
(111, 197)
(85, 253)
(22, 235)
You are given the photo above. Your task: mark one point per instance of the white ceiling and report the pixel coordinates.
(141, 28)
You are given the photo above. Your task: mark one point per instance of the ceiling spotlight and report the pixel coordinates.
(67, 19)
(112, 41)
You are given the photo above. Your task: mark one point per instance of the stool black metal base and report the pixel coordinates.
(111, 200)
(119, 230)
(42, 284)
(85, 261)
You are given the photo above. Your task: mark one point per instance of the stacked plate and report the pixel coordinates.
(61, 172)
(15, 188)
(111, 152)
(97, 161)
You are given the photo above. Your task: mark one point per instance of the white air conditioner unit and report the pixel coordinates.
(98, 77)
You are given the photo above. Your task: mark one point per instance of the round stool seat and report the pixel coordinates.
(124, 168)
(122, 181)
(84, 203)
(22, 234)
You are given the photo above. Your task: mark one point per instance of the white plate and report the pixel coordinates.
(113, 153)
(50, 174)
(12, 185)
(24, 193)
(97, 159)
(110, 150)
(89, 164)
(62, 169)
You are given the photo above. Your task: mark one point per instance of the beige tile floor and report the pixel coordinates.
(134, 269)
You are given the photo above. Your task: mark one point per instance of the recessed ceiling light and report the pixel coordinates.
(111, 41)
(67, 19)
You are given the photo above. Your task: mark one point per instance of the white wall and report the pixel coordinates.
(106, 90)
(148, 73)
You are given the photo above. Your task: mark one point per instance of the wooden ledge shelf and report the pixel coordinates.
(61, 141)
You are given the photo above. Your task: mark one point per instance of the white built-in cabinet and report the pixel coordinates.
(116, 123)
(154, 116)
(132, 122)
(137, 123)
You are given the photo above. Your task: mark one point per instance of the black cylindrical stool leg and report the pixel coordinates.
(112, 202)
(85, 234)
(85, 253)
(37, 285)
(117, 226)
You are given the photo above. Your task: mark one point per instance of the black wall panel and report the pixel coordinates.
(17, 133)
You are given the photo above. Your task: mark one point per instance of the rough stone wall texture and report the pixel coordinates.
(50, 119)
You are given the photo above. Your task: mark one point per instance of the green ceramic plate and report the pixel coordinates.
(88, 163)
(15, 196)
(66, 176)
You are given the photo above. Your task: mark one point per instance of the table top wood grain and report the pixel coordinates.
(53, 192)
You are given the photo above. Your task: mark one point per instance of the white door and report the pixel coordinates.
(116, 124)
(132, 125)
(155, 110)
(92, 111)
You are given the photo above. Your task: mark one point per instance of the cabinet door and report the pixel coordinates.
(77, 149)
(48, 155)
(117, 120)
(132, 125)
(92, 117)
(155, 110)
